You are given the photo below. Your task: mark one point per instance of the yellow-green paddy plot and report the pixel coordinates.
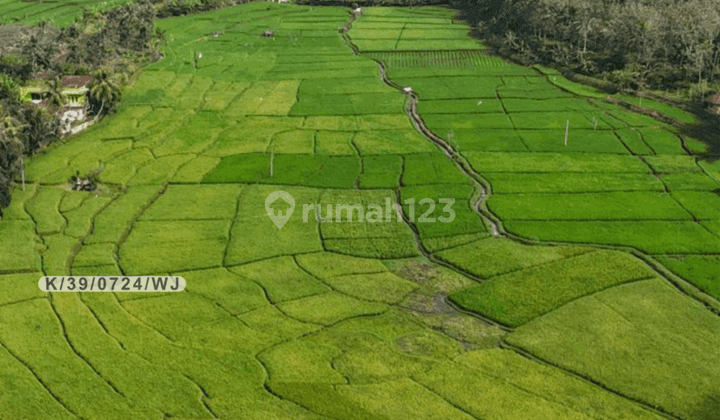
(564, 165)
(348, 309)
(642, 327)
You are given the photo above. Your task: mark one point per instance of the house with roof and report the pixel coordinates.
(74, 111)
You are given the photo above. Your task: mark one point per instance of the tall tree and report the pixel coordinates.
(14, 146)
(56, 98)
(585, 23)
(104, 89)
(39, 53)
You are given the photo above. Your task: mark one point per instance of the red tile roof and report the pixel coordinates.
(715, 99)
(76, 81)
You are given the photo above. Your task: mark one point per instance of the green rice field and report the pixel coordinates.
(583, 283)
(60, 13)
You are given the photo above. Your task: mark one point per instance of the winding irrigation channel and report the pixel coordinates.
(484, 192)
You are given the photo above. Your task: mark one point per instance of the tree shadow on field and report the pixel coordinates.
(709, 408)
(707, 132)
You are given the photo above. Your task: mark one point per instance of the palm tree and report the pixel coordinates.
(10, 89)
(56, 98)
(104, 89)
(12, 128)
(585, 25)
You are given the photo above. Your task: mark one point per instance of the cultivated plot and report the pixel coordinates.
(330, 318)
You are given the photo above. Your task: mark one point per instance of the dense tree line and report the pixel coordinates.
(24, 130)
(169, 8)
(655, 44)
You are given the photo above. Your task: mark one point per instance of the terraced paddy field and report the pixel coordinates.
(546, 301)
(61, 13)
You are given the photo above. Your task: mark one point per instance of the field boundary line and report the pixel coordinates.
(80, 355)
(531, 356)
(130, 224)
(41, 382)
(432, 391)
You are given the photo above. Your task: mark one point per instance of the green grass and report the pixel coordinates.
(349, 320)
(79, 220)
(662, 142)
(43, 208)
(516, 298)
(500, 383)
(433, 168)
(544, 105)
(324, 265)
(381, 171)
(671, 111)
(588, 141)
(432, 217)
(44, 354)
(459, 106)
(555, 162)
(329, 308)
(380, 287)
(654, 237)
(514, 183)
(95, 255)
(666, 164)
(634, 141)
(170, 256)
(391, 141)
(307, 363)
(110, 225)
(702, 205)
(188, 202)
(15, 287)
(121, 170)
(689, 181)
(494, 256)
(195, 169)
(281, 279)
(16, 210)
(592, 206)
(701, 270)
(60, 15)
(252, 223)
(632, 119)
(576, 88)
(641, 327)
(322, 398)
(381, 248)
(463, 121)
(227, 289)
(380, 364)
(556, 121)
(378, 398)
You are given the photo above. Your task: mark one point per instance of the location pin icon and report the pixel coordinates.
(279, 217)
